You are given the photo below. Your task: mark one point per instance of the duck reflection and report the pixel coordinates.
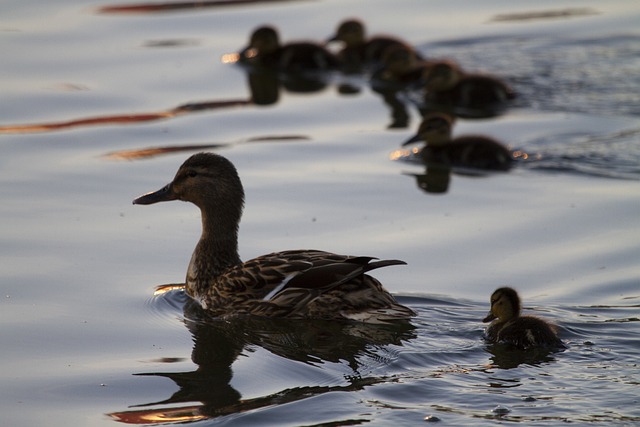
(218, 343)
(400, 73)
(505, 356)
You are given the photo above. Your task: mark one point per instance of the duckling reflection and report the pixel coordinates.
(360, 53)
(472, 151)
(400, 73)
(435, 179)
(510, 327)
(218, 343)
(450, 89)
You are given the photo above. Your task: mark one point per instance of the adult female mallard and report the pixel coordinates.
(291, 284)
(510, 327)
(472, 151)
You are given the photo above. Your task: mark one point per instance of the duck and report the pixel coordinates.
(448, 85)
(471, 151)
(265, 51)
(358, 51)
(508, 326)
(400, 69)
(294, 284)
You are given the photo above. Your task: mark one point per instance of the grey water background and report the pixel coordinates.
(83, 339)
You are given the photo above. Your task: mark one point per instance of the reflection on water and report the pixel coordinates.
(145, 153)
(218, 343)
(157, 7)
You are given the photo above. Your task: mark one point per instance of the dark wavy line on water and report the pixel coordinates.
(180, 6)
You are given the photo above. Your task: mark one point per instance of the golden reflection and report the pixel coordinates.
(126, 118)
(163, 289)
(230, 58)
(159, 416)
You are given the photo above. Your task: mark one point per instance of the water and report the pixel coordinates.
(86, 342)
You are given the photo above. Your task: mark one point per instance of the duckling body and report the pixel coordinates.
(471, 151)
(400, 69)
(447, 85)
(289, 284)
(358, 51)
(508, 326)
(266, 51)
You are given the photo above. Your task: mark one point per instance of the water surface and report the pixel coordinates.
(86, 342)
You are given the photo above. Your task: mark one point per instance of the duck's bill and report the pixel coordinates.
(489, 318)
(164, 194)
(414, 138)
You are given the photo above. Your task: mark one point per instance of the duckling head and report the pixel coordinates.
(442, 75)
(207, 180)
(264, 40)
(505, 305)
(435, 130)
(351, 32)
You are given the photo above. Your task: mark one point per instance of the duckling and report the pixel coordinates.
(264, 50)
(358, 51)
(290, 284)
(447, 85)
(400, 69)
(521, 331)
(473, 151)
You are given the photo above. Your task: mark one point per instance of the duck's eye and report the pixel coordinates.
(192, 174)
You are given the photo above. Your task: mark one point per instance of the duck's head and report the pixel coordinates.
(435, 130)
(207, 180)
(264, 40)
(442, 75)
(351, 32)
(505, 305)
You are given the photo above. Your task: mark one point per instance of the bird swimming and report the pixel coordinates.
(508, 326)
(359, 51)
(447, 85)
(302, 283)
(472, 151)
(266, 51)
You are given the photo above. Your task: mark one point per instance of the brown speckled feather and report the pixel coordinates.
(291, 284)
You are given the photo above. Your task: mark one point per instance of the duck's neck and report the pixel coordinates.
(216, 252)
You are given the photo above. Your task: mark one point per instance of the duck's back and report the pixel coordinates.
(525, 332)
(471, 151)
(474, 91)
(305, 284)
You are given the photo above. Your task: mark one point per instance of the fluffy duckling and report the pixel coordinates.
(510, 327)
(289, 284)
(265, 50)
(358, 51)
(401, 68)
(446, 84)
(472, 151)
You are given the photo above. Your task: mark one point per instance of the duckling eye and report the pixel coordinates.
(192, 174)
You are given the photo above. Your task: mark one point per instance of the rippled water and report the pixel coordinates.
(86, 342)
